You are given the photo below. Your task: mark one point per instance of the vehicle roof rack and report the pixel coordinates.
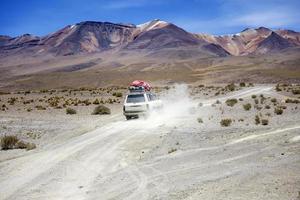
(137, 89)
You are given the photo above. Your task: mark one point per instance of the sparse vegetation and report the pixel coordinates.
(70, 111)
(231, 102)
(247, 106)
(253, 96)
(117, 94)
(292, 101)
(230, 87)
(12, 142)
(296, 91)
(172, 150)
(9, 142)
(101, 110)
(199, 120)
(278, 111)
(39, 107)
(277, 88)
(274, 100)
(96, 102)
(257, 120)
(226, 122)
(267, 107)
(264, 122)
(242, 84)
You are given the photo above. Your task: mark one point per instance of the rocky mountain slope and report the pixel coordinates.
(91, 37)
(252, 41)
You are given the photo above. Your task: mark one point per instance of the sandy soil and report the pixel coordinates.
(169, 155)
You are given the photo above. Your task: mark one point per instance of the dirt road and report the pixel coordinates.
(128, 160)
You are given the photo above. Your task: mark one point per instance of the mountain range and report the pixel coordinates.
(96, 54)
(90, 37)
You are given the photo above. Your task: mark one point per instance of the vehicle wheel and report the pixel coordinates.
(128, 117)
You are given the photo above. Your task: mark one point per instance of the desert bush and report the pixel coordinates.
(264, 122)
(39, 107)
(253, 96)
(257, 120)
(117, 94)
(101, 110)
(231, 102)
(251, 85)
(242, 84)
(4, 107)
(12, 142)
(278, 111)
(241, 99)
(267, 107)
(70, 111)
(225, 122)
(96, 102)
(217, 93)
(230, 87)
(296, 91)
(172, 150)
(9, 142)
(274, 100)
(277, 88)
(199, 119)
(292, 101)
(12, 100)
(256, 101)
(247, 106)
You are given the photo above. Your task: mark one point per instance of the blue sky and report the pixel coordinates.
(40, 17)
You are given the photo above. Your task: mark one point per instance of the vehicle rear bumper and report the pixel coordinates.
(134, 113)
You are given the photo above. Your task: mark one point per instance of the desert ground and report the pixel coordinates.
(208, 142)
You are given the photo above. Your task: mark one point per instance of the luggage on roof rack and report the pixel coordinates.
(138, 84)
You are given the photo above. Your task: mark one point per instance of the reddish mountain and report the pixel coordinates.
(156, 35)
(248, 40)
(273, 43)
(159, 34)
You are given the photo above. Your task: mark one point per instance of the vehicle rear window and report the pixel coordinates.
(135, 98)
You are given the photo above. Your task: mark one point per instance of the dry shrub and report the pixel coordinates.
(247, 106)
(101, 110)
(70, 111)
(278, 111)
(292, 101)
(257, 120)
(172, 150)
(199, 119)
(12, 142)
(264, 122)
(225, 122)
(231, 102)
(9, 142)
(117, 94)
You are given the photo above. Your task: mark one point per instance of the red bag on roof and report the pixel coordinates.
(139, 83)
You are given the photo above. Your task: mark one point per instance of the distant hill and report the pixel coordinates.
(91, 37)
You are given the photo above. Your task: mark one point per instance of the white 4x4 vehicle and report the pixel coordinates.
(139, 104)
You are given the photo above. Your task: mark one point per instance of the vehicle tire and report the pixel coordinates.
(128, 117)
